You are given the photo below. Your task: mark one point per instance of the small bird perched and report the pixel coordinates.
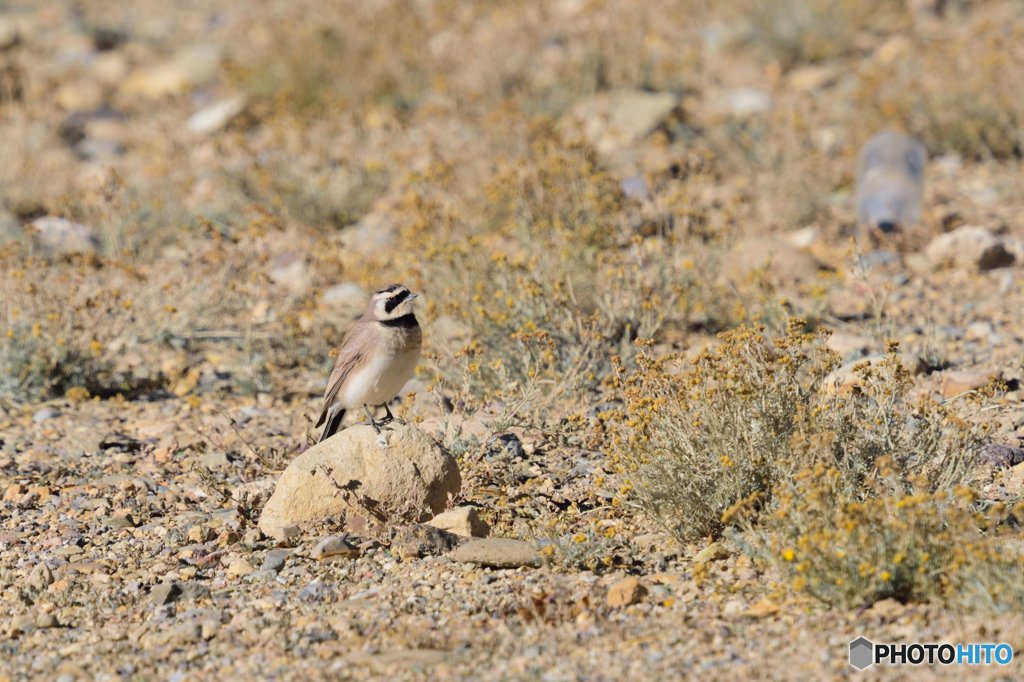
(377, 357)
(891, 182)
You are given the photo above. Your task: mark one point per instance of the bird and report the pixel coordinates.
(891, 182)
(377, 356)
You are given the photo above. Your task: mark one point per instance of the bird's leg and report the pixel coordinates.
(375, 425)
(391, 418)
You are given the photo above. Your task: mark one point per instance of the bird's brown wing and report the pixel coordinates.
(348, 358)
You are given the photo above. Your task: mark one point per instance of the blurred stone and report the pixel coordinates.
(10, 230)
(83, 95)
(357, 472)
(120, 521)
(289, 270)
(626, 592)
(845, 344)
(275, 560)
(110, 68)
(61, 237)
(843, 379)
(215, 117)
(15, 29)
(254, 494)
(782, 260)
(810, 78)
(805, 237)
(744, 102)
(157, 81)
(284, 532)
(345, 301)
(498, 553)
(45, 414)
(979, 331)
(955, 382)
(92, 149)
(46, 620)
(612, 121)
(891, 49)
(40, 578)
(464, 521)
(716, 551)
(199, 63)
(165, 593)
(240, 567)
(1000, 456)
(969, 247)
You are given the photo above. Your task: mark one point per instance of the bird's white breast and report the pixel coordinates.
(380, 380)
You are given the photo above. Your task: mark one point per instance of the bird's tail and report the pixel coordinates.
(333, 422)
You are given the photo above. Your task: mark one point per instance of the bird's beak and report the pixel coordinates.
(411, 296)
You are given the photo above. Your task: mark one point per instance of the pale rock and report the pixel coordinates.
(240, 567)
(337, 545)
(979, 331)
(464, 521)
(61, 237)
(716, 551)
(892, 49)
(289, 270)
(46, 620)
(355, 472)
(285, 532)
(613, 121)
(110, 68)
(956, 382)
(745, 102)
(498, 553)
(969, 247)
(254, 494)
(626, 592)
(344, 302)
(9, 32)
(848, 344)
(785, 262)
(805, 237)
(843, 380)
(200, 62)
(83, 95)
(157, 81)
(810, 78)
(40, 578)
(215, 117)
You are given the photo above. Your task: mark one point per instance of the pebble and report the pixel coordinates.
(716, 551)
(464, 521)
(275, 560)
(626, 592)
(498, 553)
(216, 117)
(240, 567)
(120, 521)
(336, 545)
(45, 414)
(40, 578)
(165, 593)
(955, 382)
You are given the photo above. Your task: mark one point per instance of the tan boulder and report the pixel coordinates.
(357, 473)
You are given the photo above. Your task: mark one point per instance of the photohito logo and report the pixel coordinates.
(863, 653)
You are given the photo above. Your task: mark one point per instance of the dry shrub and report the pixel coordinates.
(854, 497)
(851, 551)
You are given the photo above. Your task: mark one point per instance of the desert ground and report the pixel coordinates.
(704, 423)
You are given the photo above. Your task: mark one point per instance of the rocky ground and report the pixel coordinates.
(197, 198)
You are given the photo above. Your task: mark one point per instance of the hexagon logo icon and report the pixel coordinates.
(862, 653)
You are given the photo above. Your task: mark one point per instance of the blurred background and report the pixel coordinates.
(196, 198)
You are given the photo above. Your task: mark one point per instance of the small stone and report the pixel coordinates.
(15, 492)
(198, 534)
(716, 551)
(733, 607)
(240, 567)
(616, 120)
(286, 532)
(45, 414)
(626, 592)
(23, 625)
(254, 495)
(744, 102)
(979, 331)
(849, 344)
(209, 629)
(45, 621)
(10, 33)
(61, 237)
(275, 560)
(252, 536)
(956, 382)
(158, 569)
(120, 521)
(498, 553)
(40, 578)
(810, 78)
(165, 593)
(334, 546)
(464, 521)
(193, 589)
(216, 116)
(315, 592)
(85, 95)
(969, 247)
